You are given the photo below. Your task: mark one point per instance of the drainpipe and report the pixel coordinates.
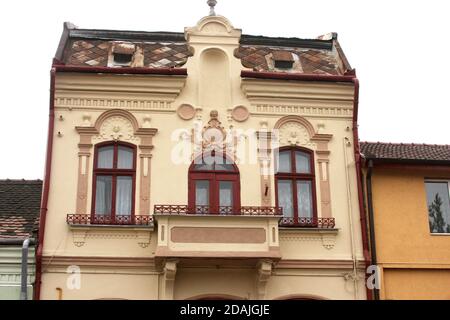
(24, 263)
(46, 187)
(373, 248)
(24, 275)
(360, 189)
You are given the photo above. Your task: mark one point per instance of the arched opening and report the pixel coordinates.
(214, 185)
(114, 179)
(215, 297)
(300, 297)
(214, 82)
(295, 187)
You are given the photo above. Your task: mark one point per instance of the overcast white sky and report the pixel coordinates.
(399, 48)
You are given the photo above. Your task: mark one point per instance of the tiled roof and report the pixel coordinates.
(406, 152)
(96, 48)
(310, 61)
(20, 201)
(95, 53)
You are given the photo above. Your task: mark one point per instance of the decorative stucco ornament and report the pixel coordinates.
(212, 4)
(294, 134)
(214, 134)
(116, 128)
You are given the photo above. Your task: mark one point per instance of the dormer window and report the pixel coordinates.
(283, 60)
(121, 58)
(122, 54)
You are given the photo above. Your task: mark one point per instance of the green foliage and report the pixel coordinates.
(437, 222)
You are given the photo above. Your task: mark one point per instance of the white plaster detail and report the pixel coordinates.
(326, 237)
(103, 103)
(116, 128)
(302, 110)
(263, 276)
(145, 166)
(86, 120)
(294, 134)
(81, 235)
(83, 165)
(147, 119)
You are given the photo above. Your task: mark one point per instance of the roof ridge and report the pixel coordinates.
(407, 144)
(21, 180)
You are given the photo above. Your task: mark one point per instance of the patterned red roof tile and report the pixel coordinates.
(97, 48)
(20, 201)
(406, 152)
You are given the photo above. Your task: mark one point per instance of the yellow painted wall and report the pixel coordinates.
(417, 284)
(405, 247)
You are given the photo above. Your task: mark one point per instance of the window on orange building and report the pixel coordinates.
(114, 181)
(295, 186)
(438, 202)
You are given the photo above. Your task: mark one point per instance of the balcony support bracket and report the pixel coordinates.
(170, 271)
(263, 276)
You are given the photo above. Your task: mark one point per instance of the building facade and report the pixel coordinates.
(203, 164)
(408, 201)
(19, 220)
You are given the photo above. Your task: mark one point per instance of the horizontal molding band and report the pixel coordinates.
(90, 103)
(293, 109)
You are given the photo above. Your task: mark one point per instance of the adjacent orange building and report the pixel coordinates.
(407, 195)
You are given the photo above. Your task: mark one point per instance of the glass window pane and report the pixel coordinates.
(285, 199)
(202, 193)
(209, 163)
(224, 167)
(103, 195)
(284, 161)
(302, 162)
(125, 158)
(225, 193)
(204, 167)
(124, 191)
(105, 157)
(438, 207)
(304, 199)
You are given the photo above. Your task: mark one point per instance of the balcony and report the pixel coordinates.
(302, 222)
(86, 227)
(205, 233)
(87, 219)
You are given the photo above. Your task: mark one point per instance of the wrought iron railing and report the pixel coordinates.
(86, 219)
(302, 222)
(225, 210)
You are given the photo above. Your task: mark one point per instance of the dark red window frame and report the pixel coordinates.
(114, 172)
(293, 176)
(214, 177)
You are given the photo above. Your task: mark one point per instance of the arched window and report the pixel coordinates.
(114, 183)
(214, 186)
(295, 186)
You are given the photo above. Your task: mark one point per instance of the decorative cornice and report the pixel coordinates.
(149, 85)
(94, 261)
(71, 102)
(318, 111)
(257, 90)
(318, 264)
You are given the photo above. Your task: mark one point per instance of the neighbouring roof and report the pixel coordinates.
(20, 201)
(404, 152)
(94, 48)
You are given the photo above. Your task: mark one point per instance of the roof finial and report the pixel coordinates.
(212, 4)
